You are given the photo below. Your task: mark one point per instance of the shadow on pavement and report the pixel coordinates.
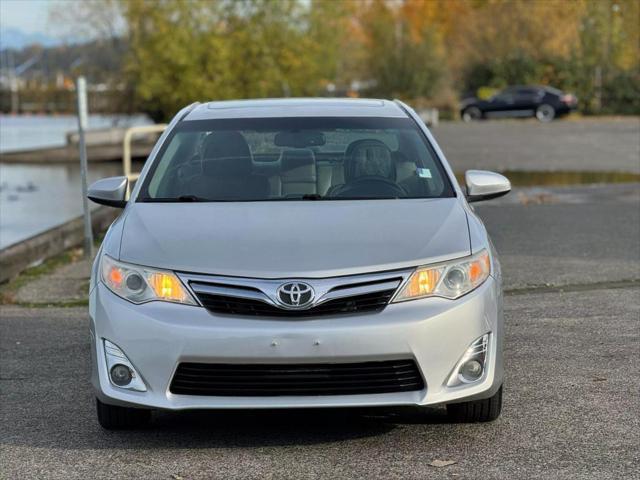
(226, 429)
(245, 428)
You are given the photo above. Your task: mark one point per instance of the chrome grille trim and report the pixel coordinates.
(265, 290)
(229, 292)
(352, 291)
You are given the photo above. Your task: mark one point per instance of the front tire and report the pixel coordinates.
(485, 410)
(471, 114)
(545, 113)
(112, 417)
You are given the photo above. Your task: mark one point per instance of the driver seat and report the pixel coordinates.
(362, 159)
(368, 158)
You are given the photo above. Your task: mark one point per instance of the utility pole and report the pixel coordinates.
(81, 90)
(13, 85)
(14, 73)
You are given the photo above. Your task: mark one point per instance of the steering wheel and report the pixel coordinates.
(371, 186)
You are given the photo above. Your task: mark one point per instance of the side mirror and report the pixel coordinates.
(483, 185)
(110, 191)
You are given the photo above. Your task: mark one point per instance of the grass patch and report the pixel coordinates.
(8, 290)
(65, 304)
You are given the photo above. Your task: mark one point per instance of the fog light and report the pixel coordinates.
(120, 370)
(471, 366)
(471, 370)
(121, 375)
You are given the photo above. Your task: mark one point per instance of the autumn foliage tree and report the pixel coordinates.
(429, 52)
(186, 50)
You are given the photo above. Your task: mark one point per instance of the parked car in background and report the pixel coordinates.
(544, 103)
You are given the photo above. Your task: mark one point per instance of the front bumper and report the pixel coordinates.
(566, 108)
(157, 336)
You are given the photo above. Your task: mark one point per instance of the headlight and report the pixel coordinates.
(141, 284)
(449, 279)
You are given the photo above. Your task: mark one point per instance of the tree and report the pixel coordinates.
(187, 50)
(403, 60)
(426, 51)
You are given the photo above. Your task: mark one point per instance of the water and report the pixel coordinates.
(26, 132)
(37, 197)
(34, 198)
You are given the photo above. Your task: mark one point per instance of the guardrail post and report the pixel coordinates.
(126, 146)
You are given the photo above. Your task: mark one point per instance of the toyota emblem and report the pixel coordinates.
(295, 294)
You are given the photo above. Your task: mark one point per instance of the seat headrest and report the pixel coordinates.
(299, 163)
(368, 157)
(226, 153)
(405, 168)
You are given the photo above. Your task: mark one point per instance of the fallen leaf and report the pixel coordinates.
(176, 477)
(442, 463)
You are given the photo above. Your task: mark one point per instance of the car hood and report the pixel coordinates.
(294, 239)
(465, 102)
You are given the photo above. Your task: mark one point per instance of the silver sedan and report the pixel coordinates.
(296, 253)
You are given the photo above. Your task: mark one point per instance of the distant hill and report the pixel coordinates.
(100, 61)
(17, 39)
(46, 82)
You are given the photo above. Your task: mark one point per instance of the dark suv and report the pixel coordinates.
(544, 103)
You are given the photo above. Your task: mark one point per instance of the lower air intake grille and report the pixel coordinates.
(264, 380)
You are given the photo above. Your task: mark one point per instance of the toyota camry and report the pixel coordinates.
(296, 253)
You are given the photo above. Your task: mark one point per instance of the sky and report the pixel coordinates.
(30, 16)
(24, 22)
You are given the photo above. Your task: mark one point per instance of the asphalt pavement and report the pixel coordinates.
(570, 411)
(571, 259)
(566, 236)
(596, 144)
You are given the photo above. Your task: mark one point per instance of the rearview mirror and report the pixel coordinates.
(299, 139)
(110, 191)
(484, 185)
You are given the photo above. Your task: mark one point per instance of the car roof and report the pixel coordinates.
(523, 87)
(296, 107)
(547, 88)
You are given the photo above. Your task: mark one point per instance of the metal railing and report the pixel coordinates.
(126, 146)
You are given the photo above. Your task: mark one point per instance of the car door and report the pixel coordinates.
(501, 104)
(526, 100)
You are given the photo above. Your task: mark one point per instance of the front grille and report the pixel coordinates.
(242, 380)
(370, 302)
(256, 297)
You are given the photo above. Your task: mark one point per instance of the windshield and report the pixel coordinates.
(310, 158)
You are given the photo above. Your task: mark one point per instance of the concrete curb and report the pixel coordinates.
(16, 258)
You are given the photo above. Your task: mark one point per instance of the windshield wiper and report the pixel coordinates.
(312, 196)
(179, 199)
(296, 198)
(315, 196)
(365, 198)
(191, 198)
(305, 197)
